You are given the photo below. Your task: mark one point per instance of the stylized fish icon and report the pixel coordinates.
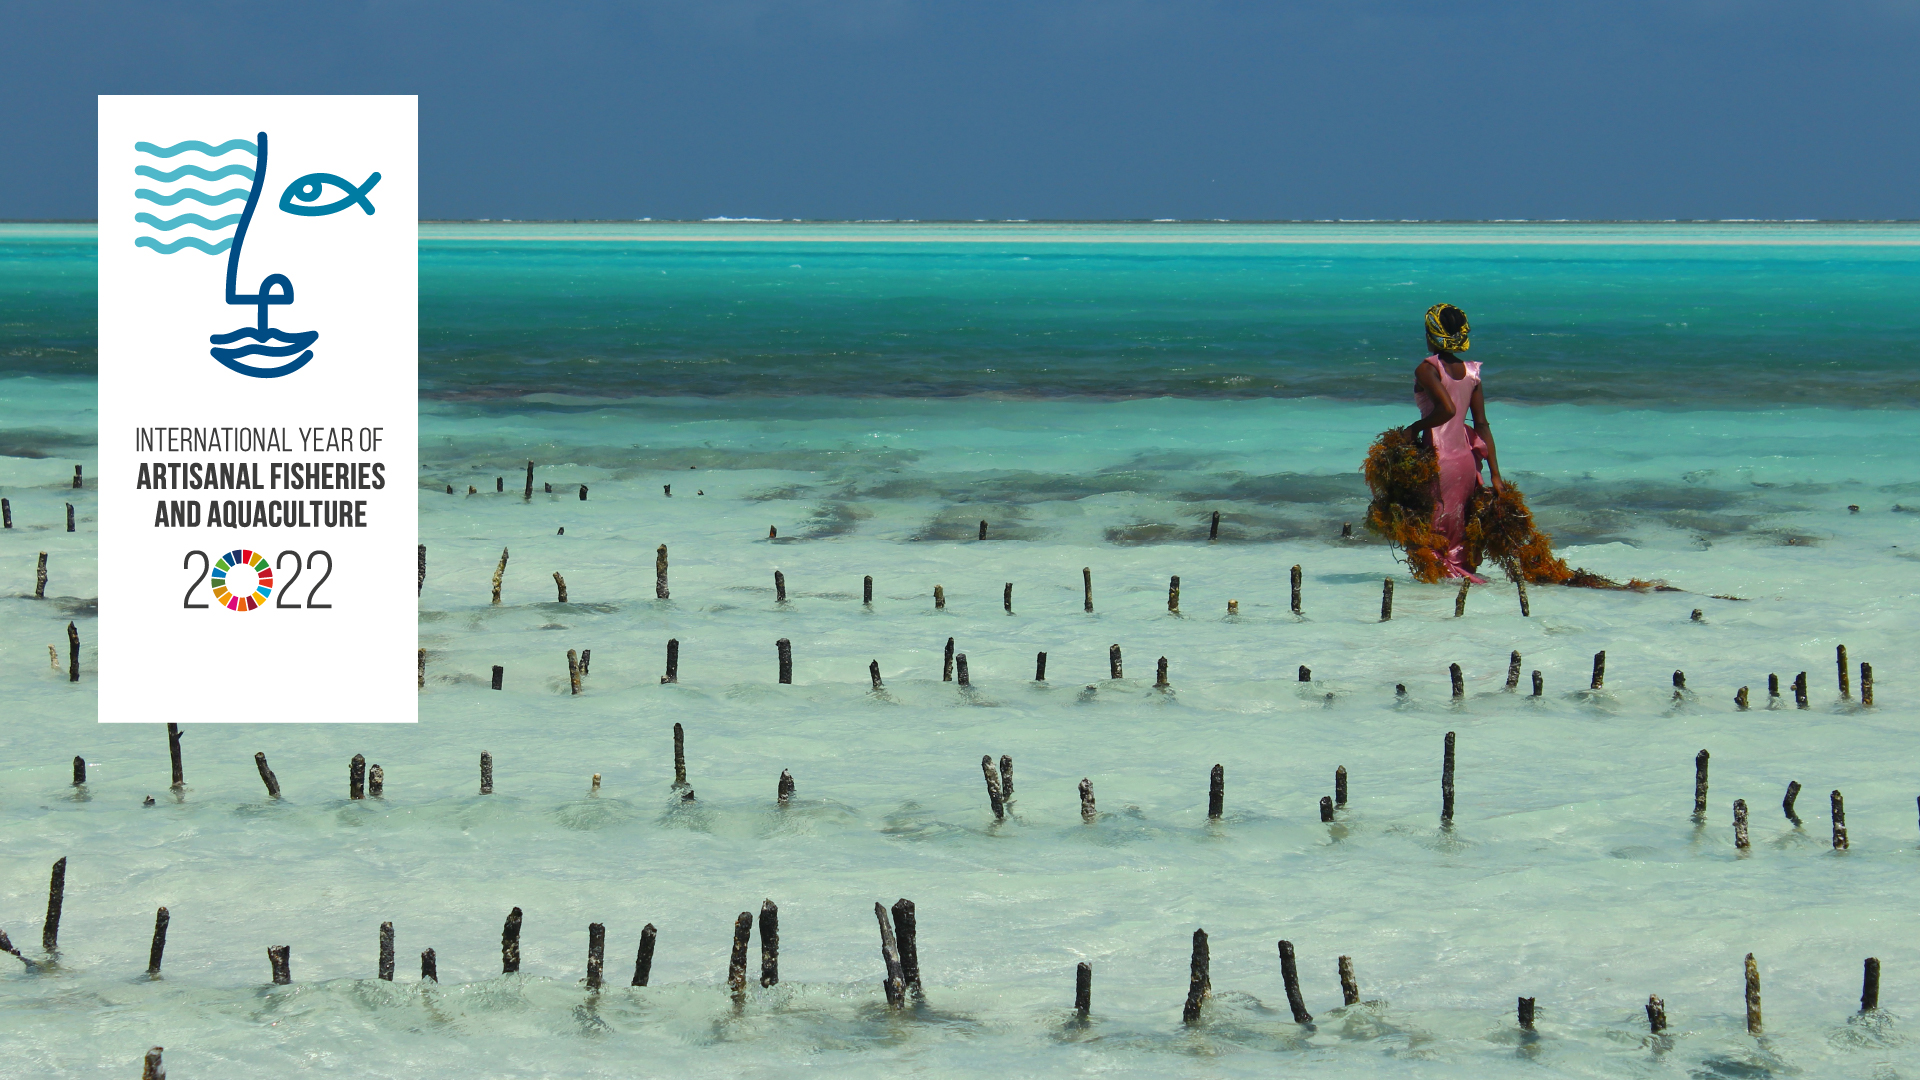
(308, 188)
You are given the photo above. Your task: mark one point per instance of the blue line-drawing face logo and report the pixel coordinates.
(300, 198)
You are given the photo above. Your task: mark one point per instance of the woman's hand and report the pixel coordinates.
(1499, 485)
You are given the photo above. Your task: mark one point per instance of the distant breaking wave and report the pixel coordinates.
(209, 198)
(172, 223)
(193, 171)
(172, 246)
(195, 144)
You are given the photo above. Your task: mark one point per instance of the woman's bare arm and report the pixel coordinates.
(1427, 379)
(1478, 407)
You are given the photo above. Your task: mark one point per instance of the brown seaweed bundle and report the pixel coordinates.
(1403, 475)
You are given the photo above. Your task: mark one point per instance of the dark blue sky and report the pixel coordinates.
(1069, 109)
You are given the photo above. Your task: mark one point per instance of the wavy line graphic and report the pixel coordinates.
(172, 223)
(194, 171)
(184, 242)
(210, 199)
(195, 144)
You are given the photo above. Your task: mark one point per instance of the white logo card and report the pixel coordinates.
(258, 408)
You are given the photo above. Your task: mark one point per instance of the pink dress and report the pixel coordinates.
(1460, 451)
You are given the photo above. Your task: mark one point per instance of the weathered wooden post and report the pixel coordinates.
(498, 573)
(779, 587)
(1866, 685)
(737, 965)
(1599, 670)
(486, 773)
(906, 932)
(1340, 785)
(866, 590)
(983, 530)
(1173, 595)
(429, 967)
(1539, 686)
(960, 668)
(1526, 1014)
(1840, 662)
(573, 670)
(939, 596)
(1160, 678)
(1086, 578)
(510, 943)
(1083, 975)
(1290, 976)
(673, 661)
(1213, 530)
(528, 493)
(1040, 667)
(1349, 986)
(280, 960)
(1459, 681)
(946, 663)
(1656, 1014)
(1088, 812)
(1113, 661)
(1216, 793)
(873, 670)
(1513, 671)
(386, 951)
(79, 771)
(159, 947)
(1296, 588)
(40, 578)
(560, 584)
(1526, 610)
(56, 899)
(643, 960)
(1786, 804)
(376, 781)
(1870, 985)
(1386, 600)
(1839, 821)
(784, 648)
(679, 756)
(151, 1067)
(994, 798)
(1740, 839)
(769, 943)
(499, 674)
(173, 752)
(266, 775)
(1006, 598)
(1199, 981)
(1446, 783)
(1460, 601)
(895, 982)
(1700, 784)
(1753, 996)
(421, 581)
(357, 777)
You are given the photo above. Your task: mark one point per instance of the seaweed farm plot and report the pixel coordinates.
(799, 789)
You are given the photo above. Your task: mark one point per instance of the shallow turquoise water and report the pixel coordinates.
(1574, 872)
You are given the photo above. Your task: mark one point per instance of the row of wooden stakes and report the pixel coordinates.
(899, 954)
(369, 781)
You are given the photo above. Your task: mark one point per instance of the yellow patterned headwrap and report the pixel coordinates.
(1437, 337)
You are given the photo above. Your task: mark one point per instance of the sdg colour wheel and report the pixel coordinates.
(261, 590)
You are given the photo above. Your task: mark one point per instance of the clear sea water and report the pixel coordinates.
(1699, 404)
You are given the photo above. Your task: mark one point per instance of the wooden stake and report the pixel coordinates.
(1700, 784)
(1446, 783)
(1599, 670)
(1656, 1014)
(1326, 809)
(500, 485)
(510, 943)
(1216, 792)
(560, 583)
(1839, 821)
(1160, 679)
(773, 532)
(643, 960)
(673, 661)
(79, 771)
(1083, 975)
(1786, 804)
(785, 648)
(679, 756)
(420, 668)
(499, 673)
(779, 587)
(983, 530)
(1459, 681)
(667, 489)
(1088, 812)
(1386, 600)
(573, 670)
(1513, 671)
(1539, 685)
(1173, 594)
(1800, 690)
(151, 1067)
(906, 932)
(173, 752)
(1340, 786)
(528, 493)
(1290, 975)
(421, 582)
(40, 578)
(1526, 610)
(486, 773)
(386, 951)
(376, 781)
(159, 946)
(993, 788)
(769, 943)
(596, 954)
(594, 788)
(783, 792)
(1740, 699)
(279, 958)
(660, 591)
(1113, 661)
(1740, 840)
(1040, 667)
(498, 573)
(1006, 778)
(939, 596)
(960, 667)
(1870, 985)
(1233, 607)
(266, 775)
(1460, 600)
(56, 899)
(1773, 688)
(1006, 598)
(583, 493)
(873, 669)
(69, 517)
(1840, 662)
(1086, 578)
(1199, 982)
(6, 513)
(429, 968)
(946, 663)
(1526, 1014)
(1306, 673)
(895, 982)
(73, 654)
(1679, 684)
(1753, 996)
(1349, 986)
(1296, 588)
(1866, 685)
(357, 777)
(866, 590)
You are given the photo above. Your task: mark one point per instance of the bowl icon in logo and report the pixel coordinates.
(237, 559)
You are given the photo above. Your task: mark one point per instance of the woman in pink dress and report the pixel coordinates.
(1445, 387)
